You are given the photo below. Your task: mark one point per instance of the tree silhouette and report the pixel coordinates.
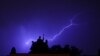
(13, 50)
(75, 51)
(56, 49)
(99, 52)
(66, 49)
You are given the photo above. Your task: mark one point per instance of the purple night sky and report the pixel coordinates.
(72, 22)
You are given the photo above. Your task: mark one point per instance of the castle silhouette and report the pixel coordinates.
(41, 47)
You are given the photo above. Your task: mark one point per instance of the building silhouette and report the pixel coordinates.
(40, 47)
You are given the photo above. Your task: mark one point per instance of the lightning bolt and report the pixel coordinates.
(63, 29)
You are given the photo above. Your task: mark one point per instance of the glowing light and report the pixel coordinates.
(27, 42)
